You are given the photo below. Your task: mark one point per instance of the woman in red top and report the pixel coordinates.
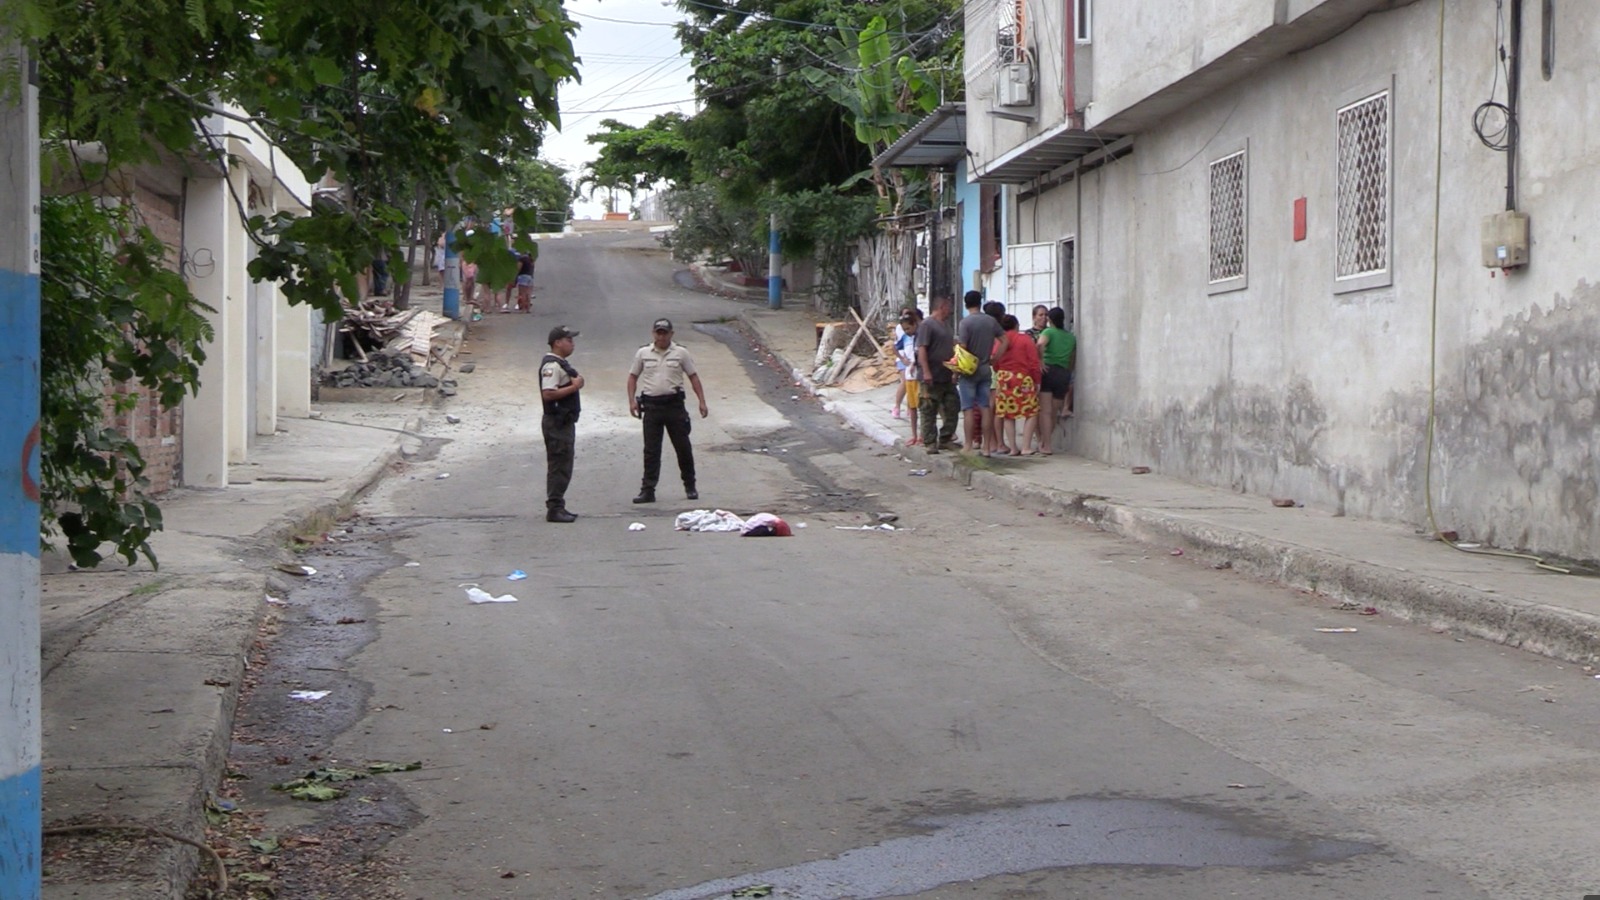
(1017, 372)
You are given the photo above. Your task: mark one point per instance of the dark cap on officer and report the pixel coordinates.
(561, 331)
(662, 325)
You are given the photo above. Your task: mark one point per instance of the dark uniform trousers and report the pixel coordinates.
(671, 415)
(560, 445)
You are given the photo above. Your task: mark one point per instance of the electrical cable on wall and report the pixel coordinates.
(1493, 121)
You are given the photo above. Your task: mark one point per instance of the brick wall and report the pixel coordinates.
(158, 434)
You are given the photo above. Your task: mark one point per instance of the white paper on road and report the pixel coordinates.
(479, 595)
(308, 695)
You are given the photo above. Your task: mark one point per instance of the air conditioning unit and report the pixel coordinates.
(1015, 84)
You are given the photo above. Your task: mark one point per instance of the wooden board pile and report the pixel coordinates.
(374, 324)
(390, 348)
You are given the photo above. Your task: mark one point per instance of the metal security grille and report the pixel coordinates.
(1363, 246)
(1009, 39)
(1227, 218)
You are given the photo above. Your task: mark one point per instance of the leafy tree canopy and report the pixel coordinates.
(409, 102)
(635, 159)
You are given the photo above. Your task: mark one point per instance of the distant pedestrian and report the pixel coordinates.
(656, 396)
(935, 347)
(910, 377)
(559, 384)
(1016, 395)
(1041, 318)
(524, 282)
(978, 333)
(1058, 349)
(469, 281)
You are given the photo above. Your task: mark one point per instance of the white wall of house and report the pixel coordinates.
(1287, 384)
(258, 366)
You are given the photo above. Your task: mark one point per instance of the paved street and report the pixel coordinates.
(985, 702)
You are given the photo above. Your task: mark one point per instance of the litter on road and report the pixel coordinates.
(479, 595)
(635, 526)
(765, 525)
(918, 473)
(1337, 630)
(518, 575)
(707, 520)
(308, 695)
(884, 527)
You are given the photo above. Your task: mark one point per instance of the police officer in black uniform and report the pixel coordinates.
(559, 384)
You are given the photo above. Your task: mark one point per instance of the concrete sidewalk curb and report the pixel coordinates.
(296, 520)
(181, 763)
(1535, 627)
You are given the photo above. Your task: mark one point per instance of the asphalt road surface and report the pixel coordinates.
(983, 703)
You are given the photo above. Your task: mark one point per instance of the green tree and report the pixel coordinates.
(638, 159)
(797, 98)
(106, 319)
(408, 100)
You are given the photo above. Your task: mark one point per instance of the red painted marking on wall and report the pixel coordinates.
(1300, 219)
(30, 446)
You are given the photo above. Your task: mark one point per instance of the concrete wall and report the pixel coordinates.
(258, 366)
(1290, 387)
(989, 135)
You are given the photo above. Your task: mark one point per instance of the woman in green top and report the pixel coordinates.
(1058, 349)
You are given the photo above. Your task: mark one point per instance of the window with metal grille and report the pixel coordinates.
(1227, 218)
(1362, 247)
(1009, 39)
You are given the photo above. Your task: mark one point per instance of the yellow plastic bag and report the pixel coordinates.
(963, 363)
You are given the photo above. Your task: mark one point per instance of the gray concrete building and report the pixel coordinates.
(1282, 232)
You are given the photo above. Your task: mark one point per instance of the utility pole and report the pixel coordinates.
(774, 265)
(452, 277)
(20, 810)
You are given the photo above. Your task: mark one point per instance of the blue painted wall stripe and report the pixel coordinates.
(19, 409)
(19, 836)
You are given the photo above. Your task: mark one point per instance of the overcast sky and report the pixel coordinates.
(632, 71)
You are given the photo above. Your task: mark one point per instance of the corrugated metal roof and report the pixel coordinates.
(1043, 154)
(938, 141)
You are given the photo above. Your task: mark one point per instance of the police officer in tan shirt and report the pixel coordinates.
(655, 395)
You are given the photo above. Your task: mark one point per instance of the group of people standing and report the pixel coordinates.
(1011, 401)
(492, 299)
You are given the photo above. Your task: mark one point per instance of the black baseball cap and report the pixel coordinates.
(662, 325)
(561, 331)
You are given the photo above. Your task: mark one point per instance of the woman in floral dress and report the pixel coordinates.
(1017, 372)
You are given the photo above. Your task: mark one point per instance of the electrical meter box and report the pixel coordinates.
(1505, 240)
(1016, 84)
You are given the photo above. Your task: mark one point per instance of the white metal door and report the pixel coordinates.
(1030, 278)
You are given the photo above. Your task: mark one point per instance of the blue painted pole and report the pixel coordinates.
(774, 265)
(20, 809)
(452, 277)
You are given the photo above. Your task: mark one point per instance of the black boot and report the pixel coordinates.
(560, 515)
(690, 492)
(646, 495)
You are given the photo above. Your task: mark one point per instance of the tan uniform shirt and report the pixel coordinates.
(553, 376)
(662, 373)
